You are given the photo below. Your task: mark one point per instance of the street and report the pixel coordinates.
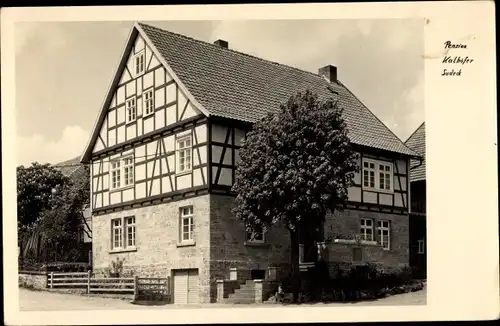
(46, 301)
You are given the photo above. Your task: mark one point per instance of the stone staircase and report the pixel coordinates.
(245, 294)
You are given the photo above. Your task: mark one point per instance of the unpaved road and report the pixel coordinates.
(43, 301)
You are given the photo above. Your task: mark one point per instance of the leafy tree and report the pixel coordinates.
(296, 165)
(35, 185)
(54, 215)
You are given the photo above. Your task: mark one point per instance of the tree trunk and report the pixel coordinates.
(294, 264)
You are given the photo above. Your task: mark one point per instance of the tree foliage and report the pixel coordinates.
(50, 210)
(296, 165)
(35, 186)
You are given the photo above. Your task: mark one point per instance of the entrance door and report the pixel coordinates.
(186, 286)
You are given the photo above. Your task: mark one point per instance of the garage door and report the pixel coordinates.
(186, 286)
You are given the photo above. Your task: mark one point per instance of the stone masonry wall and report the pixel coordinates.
(228, 248)
(158, 251)
(33, 280)
(347, 222)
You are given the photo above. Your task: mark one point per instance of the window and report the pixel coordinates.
(385, 176)
(128, 171)
(123, 233)
(184, 154)
(366, 229)
(377, 175)
(130, 228)
(122, 167)
(139, 63)
(115, 174)
(368, 174)
(256, 236)
(117, 233)
(149, 104)
(421, 247)
(384, 235)
(131, 112)
(187, 224)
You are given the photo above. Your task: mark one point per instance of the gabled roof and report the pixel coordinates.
(74, 170)
(417, 143)
(234, 85)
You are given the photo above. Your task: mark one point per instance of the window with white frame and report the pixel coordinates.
(139, 62)
(128, 171)
(366, 230)
(421, 246)
(115, 174)
(148, 104)
(131, 109)
(384, 234)
(184, 151)
(377, 175)
(257, 235)
(117, 233)
(187, 224)
(130, 231)
(122, 172)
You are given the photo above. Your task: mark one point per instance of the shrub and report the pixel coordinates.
(66, 267)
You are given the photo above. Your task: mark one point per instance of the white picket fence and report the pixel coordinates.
(135, 286)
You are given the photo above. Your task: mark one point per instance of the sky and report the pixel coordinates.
(63, 70)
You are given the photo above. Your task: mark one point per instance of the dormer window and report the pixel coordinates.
(139, 61)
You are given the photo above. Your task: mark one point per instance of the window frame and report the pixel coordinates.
(128, 226)
(380, 229)
(115, 228)
(123, 229)
(122, 170)
(376, 178)
(190, 224)
(178, 150)
(145, 100)
(421, 246)
(128, 108)
(138, 56)
(248, 237)
(363, 227)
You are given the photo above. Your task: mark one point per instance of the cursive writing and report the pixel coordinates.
(449, 45)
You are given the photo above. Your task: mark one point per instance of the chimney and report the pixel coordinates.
(222, 44)
(329, 72)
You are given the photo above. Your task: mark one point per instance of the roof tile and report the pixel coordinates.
(417, 143)
(238, 86)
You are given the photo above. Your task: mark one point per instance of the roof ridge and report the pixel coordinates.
(373, 114)
(414, 132)
(230, 50)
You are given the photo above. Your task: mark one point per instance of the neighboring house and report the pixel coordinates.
(418, 245)
(164, 149)
(76, 171)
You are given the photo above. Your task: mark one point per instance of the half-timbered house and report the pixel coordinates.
(418, 216)
(163, 155)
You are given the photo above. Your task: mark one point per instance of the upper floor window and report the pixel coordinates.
(184, 151)
(139, 62)
(187, 224)
(148, 102)
(257, 236)
(384, 234)
(377, 175)
(122, 172)
(131, 109)
(366, 229)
